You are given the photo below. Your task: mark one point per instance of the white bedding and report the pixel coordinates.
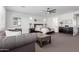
(44, 30)
(38, 28)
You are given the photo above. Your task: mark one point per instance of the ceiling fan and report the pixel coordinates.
(49, 10)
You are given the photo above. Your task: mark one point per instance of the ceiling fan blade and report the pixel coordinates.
(52, 11)
(49, 11)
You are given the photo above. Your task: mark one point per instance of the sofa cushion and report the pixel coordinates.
(12, 42)
(12, 33)
(2, 33)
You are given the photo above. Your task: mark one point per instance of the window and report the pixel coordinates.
(17, 21)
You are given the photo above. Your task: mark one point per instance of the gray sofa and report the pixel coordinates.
(20, 43)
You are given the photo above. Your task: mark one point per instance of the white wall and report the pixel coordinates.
(25, 20)
(76, 24)
(52, 22)
(66, 18)
(78, 20)
(2, 18)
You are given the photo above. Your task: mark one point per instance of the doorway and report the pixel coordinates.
(76, 25)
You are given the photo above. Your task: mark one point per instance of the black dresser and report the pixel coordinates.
(68, 30)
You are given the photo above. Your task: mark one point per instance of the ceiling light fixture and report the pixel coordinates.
(49, 10)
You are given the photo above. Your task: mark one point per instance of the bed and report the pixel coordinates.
(39, 28)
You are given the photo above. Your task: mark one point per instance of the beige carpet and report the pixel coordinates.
(60, 43)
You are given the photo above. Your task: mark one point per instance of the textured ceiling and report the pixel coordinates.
(35, 10)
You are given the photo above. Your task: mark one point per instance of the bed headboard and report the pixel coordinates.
(37, 25)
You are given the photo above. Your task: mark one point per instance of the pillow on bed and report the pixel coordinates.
(38, 28)
(45, 30)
